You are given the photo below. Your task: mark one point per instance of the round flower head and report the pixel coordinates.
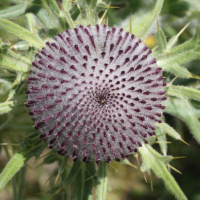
(95, 93)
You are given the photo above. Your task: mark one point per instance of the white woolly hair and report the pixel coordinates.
(95, 93)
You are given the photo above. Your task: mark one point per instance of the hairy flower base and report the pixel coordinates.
(95, 93)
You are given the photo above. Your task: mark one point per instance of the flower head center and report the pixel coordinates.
(102, 99)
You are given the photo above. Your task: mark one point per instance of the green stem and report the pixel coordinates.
(14, 188)
(102, 181)
(22, 173)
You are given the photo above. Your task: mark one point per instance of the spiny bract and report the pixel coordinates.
(95, 93)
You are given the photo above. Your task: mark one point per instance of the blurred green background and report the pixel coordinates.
(126, 182)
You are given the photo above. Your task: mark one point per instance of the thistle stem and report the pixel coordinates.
(102, 181)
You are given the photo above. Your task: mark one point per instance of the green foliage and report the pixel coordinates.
(183, 92)
(84, 182)
(30, 147)
(161, 40)
(169, 130)
(186, 112)
(170, 58)
(157, 163)
(21, 33)
(149, 23)
(160, 133)
(14, 11)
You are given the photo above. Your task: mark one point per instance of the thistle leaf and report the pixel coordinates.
(68, 18)
(66, 5)
(162, 138)
(84, 182)
(161, 40)
(19, 57)
(172, 42)
(18, 161)
(169, 130)
(149, 23)
(55, 9)
(13, 64)
(50, 159)
(178, 58)
(21, 46)
(6, 107)
(31, 22)
(12, 168)
(186, 112)
(21, 33)
(183, 53)
(73, 172)
(44, 17)
(63, 164)
(46, 5)
(183, 92)
(152, 160)
(178, 70)
(14, 11)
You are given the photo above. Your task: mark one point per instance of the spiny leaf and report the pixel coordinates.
(174, 39)
(161, 40)
(44, 17)
(84, 182)
(46, 5)
(156, 162)
(6, 107)
(31, 22)
(13, 64)
(12, 168)
(169, 130)
(66, 5)
(73, 172)
(183, 53)
(162, 137)
(16, 162)
(21, 46)
(179, 58)
(178, 70)
(127, 162)
(149, 23)
(69, 19)
(183, 92)
(19, 56)
(14, 11)
(57, 12)
(21, 33)
(63, 164)
(186, 112)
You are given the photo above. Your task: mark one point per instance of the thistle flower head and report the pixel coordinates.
(95, 93)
